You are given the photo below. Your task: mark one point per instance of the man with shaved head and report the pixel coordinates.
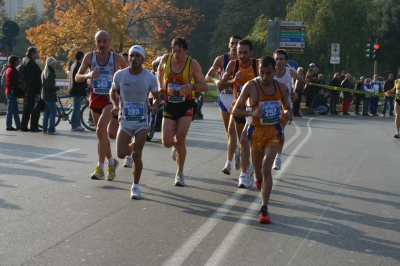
(102, 64)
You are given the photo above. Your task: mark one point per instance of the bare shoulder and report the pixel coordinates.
(195, 65)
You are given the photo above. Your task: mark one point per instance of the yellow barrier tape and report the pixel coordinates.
(350, 90)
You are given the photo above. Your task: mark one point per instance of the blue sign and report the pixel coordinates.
(292, 64)
(286, 39)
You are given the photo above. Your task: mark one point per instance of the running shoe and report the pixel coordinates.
(263, 217)
(98, 173)
(78, 128)
(227, 169)
(277, 164)
(53, 133)
(128, 162)
(396, 136)
(243, 181)
(258, 184)
(250, 176)
(90, 123)
(173, 153)
(111, 170)
(135, 193)
(236, 158)
(179, 181)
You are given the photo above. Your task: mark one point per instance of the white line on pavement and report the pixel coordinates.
(231, 238)
(184, 251)
(51, 155)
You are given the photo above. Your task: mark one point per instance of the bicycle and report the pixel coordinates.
(85, 116)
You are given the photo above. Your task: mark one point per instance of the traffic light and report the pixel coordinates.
(369, 51)
(376, 51)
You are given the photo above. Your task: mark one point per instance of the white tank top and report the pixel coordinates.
(286, 79)
(102, 84)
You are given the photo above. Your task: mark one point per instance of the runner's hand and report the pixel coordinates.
(294, 96)
(257, 113)
(186, 88)
(238, 76)
(94, 73)
(288, 116)
(154, 109)
(114, 111)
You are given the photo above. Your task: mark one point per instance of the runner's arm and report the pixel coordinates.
(295, 75)
(82, 76)
(217, 64)
(226, 80)
(114, 96)
(201, 85)
(244, 95)
(160, 73)
(285, 103)
(120, 61)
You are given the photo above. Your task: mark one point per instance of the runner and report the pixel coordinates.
(270, 106)
(243, 70)
(285, 75)
(133, 109)
(396, 89)
(176, 77)
(225, 99)
(102, 63)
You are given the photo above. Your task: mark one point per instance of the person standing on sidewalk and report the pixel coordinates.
(346, 83)
(12, 81)
(387, 86)
(77, 90)
(377, 87)
(31, 84)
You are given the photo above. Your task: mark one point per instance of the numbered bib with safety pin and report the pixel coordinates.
(174, 93)
(102, 84)
(272, 112)
(227, 91)
(133, 112)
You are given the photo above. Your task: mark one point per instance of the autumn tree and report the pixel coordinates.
(75, 22)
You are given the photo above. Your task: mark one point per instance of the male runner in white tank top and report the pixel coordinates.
(284, 75)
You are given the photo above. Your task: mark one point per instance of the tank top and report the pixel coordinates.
(102, 84)
(174, 81)
(398, 90)
(286, 79)
(226, 61)
(249, 73)
(272, 105)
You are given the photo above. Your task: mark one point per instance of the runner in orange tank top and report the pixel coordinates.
(269, 109)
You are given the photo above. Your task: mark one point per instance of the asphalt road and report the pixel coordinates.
(335, 201)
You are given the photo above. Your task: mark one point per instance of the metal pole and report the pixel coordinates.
(375, 67)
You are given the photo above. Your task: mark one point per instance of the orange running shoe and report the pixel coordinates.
(263, 217)
(258, 184)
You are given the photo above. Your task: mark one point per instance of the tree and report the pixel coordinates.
(143, 22)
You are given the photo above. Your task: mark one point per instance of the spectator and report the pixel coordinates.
(308, 90)
(299, 90)
(125, 56)
(376, 86)
(31, 84)
(77, 90)
(346, 83)
(387, 86)
(319, 105)
(3, 81)
(342, 76)
(366, 98)
(49, 97)
(358, 97)
(12, 81)
(335, 82)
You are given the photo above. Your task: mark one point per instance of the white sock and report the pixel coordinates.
(135, 185)
(229, 162)
(101, 165)
(129, 156)
(243, 173)
(111, 161)
(278, 156)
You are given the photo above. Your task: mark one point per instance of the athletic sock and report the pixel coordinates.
(264, 208)
(129, 156)
(111, 161)
(100, 164)
(229, 162)
(278, 155)
(243, 173)
(181, 173)
(135, 185)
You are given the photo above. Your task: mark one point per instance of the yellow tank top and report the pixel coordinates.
(398, 90)
(272, 105)
(249, 73)
(174, 81)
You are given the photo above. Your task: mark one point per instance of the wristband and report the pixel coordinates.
(194, 87)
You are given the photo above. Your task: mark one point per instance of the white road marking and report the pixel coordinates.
(231, 239)
(184, 251)
(51, 155)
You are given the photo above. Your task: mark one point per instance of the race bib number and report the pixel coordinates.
(227, 91)
(239, 89)
(174, 93)
(133, 112)
(102, 84)
(272, 112)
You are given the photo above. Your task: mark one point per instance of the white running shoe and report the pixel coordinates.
(236, 158)
(277, 164)
(179, 181)
(243, 181)
(128, 162)
(227, 169)
(135, 193)
(173, 153)
(250, 176)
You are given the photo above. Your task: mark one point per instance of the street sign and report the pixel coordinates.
(292, 36)
(335, 49)
(292, 64)
(335, 60)
(10, 29)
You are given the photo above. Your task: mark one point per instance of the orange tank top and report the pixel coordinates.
(272, 105)
(249, 73)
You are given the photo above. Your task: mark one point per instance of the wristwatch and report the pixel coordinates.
(194, 87)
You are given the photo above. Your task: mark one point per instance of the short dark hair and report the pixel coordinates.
(181, 42)
(282, 51)
(11, 60)
(31, 50)
(79, 55)
(236, 37)
(246, 42)
(124, 54)
(266, 61)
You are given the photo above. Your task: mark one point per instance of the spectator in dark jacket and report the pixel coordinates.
(49, 96)
(347, 96)
(77, 90)
(387, 86)
(366, 97)
(319, 105)
(309, 89)
(12, 81)
(32, 85)
(358, 97)
(335, 82)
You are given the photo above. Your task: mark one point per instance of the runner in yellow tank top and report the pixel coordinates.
(396, 89)
(179, 77)
(266, 125)
(242, 70)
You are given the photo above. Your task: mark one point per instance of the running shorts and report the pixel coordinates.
(175, 111)
(263, 136)
(225, 102)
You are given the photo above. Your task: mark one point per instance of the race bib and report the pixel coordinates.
(102, 84)
(239, 89)
(272, 112)
(227, 91)
(398, 94)
(133, 112)
(174, 93)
